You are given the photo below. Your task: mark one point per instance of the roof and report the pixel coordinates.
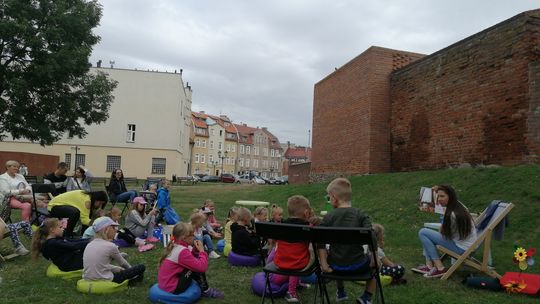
(298, 152)
(199, 123)
(245, 133)
(274, 141)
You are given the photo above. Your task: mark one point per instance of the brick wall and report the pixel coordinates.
(476, 101)
(351, 108)
(38, 164)
(299, 173)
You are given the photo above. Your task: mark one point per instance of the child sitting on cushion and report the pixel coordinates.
(386, 266)
(198, 220)
(244, 239)
(48, 240)
(183, 261)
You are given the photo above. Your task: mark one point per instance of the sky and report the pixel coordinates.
(257, 61)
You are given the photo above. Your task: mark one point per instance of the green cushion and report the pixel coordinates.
(54, 272)
(101, 286)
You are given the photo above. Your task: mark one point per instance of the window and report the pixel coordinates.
(67, 160)
(220, 132)
(212, 145)
(233, 160)
(233, 147)
(255, 163)
(158, 165)
(255, 151)
(220, 146)
(212, 131)
(210, 158)
(241, 149)
(228, 147)
(264, 164)
(131, 133)
(248, 148)
(203, 143)
(241, 162)
(197, 143)
(247, 162)
(196, 158)
(80, 160)
(113, 162)
(200, 131)
(203, 158)
(265, 151)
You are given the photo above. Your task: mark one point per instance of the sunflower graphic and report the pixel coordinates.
(514, 286)
(520, 254)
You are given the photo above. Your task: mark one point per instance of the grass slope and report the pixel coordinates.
(390, 199)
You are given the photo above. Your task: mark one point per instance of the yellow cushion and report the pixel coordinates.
(385, 281)
(101, 287)
(227, 249)
(54, 272)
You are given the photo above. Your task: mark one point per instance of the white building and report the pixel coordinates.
(147, 133)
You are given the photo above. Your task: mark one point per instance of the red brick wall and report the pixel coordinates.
(299, 174)
(351, 109)
(476, 101)
(38, 164)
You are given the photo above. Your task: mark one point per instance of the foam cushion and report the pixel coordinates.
(191, 295)
(101, 286)
(258, 286)
(243, 260)
(54, 272)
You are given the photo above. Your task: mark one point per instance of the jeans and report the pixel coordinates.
(206, 239)
(126, 196)
(431, 238)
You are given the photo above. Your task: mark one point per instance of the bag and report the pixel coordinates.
(488, 283)
(170, 216)
(532, 281)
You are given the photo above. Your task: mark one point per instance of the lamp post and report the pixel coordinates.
(213, 163)
(76, 148)
(222, 156)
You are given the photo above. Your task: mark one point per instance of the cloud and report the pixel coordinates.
(257, 61)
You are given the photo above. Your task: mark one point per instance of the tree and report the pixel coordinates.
(46, 86)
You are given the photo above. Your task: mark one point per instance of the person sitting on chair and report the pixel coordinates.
(117, 188)
(58, 178)
(81, 180)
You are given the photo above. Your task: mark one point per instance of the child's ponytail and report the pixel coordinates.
(41, 234)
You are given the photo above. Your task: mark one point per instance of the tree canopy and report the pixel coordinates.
(46, 87)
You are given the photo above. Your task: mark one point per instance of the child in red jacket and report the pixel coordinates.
(295, 256)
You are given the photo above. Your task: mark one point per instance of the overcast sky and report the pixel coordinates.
(258, 60)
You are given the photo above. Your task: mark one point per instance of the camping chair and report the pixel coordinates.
(112, 200)
(485, 236)
(289, 233)
(348, 235)
(39, 213)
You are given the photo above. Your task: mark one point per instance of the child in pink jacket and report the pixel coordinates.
(182, 263)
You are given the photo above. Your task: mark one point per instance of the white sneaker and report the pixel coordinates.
(21, 250)
(213, 255)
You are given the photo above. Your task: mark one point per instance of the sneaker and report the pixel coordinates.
(341, 296)
(423, 269)
(213, 255)
(291, 297)
(146, 247)
(304, 285)
(435, 273)
(213, 293)
(21, 250)
(361, 300)
(152, 240)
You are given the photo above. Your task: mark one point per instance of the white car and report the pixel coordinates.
(258, 180)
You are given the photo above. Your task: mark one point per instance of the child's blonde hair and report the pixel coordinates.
(41, 234)
(379, 233)
(233, 214)
(297, 205)
(275, 209)
(341, 189)
(244, 215)
(180, 232)
(260, 211)
(113, 211)
(197, 218)
(209, 202)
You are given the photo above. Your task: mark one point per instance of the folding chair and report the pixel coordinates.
(112, 200)
(38, 213)
(348, 235)
(485, 236)
(288, 233)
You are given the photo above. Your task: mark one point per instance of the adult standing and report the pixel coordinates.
(81, 180)
(117, 188)
(77, 205)
(457, 233)
(58, 178)
(17, 189)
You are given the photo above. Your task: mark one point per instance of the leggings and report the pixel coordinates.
(25, 226)
(25, 207)
(396, 271)
(134, 273)
(185, 279)
(73, 214)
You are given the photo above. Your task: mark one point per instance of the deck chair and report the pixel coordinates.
(348, 235)
(484, 238)
(38, 214)
(289, 233)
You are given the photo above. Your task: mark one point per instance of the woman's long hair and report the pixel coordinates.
(81, 171)
(96, 196)
(462, 216)
(41, 234)
(113, 175)
(180, 232)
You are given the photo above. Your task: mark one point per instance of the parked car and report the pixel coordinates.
(258, 180)
(243, 179)
(210, 178)
(227, 178)
(276, 181)
(266, 180)
(285, 179)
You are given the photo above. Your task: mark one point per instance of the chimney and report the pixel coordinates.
(99, 63)
(202, 112)
(288, 144)
(265, 129)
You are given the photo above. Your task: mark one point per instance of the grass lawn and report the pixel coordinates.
(390, 199)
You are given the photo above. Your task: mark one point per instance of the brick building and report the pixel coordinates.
(476, 101)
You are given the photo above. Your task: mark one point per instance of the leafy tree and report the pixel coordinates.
(46, 88)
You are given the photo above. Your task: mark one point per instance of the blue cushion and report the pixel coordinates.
(191, 295)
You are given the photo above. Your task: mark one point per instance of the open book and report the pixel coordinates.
(428, 201)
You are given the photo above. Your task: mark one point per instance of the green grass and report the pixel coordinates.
(390, 199)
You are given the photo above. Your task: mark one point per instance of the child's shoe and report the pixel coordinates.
(362, 300)
(435, 273)
(139, 242)
(146, 247)
(21, 250)
(304, 285)
(341, 295)
(152, 239)
(213, 255)
(213, 293)
(423, 269)
(291, 297)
